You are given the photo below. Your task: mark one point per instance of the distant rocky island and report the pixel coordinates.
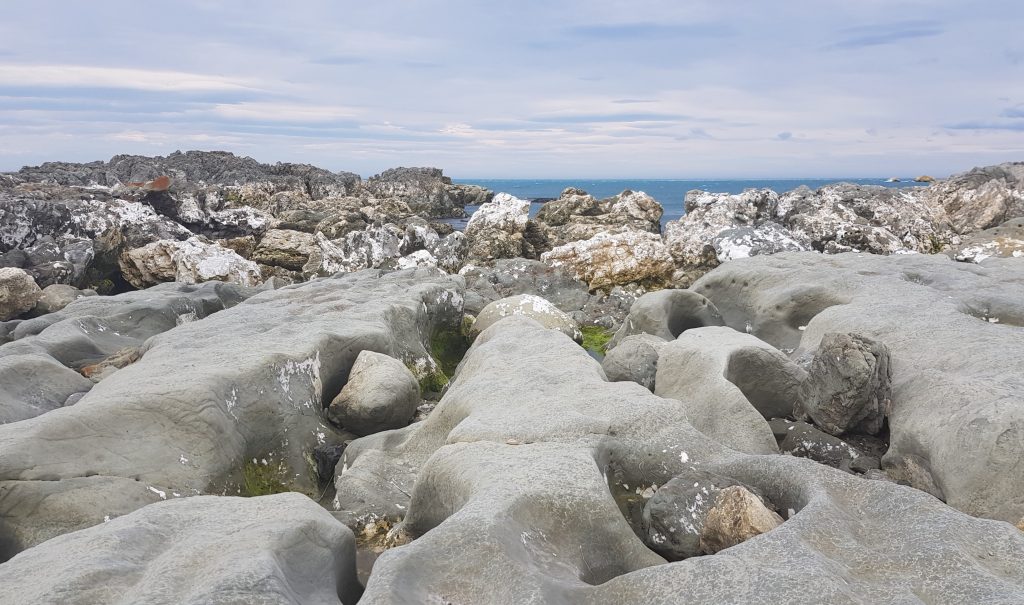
(223, 381)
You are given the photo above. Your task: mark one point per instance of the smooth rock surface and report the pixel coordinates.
(380, 394)
(527, 305)
(18, 293)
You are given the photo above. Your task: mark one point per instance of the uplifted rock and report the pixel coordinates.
(426, 190)
(380, 394)
(192, 261)
(18, 293)
(496, 229)
(285, 248)
(577, 215)
(982, 198)
(281, 549)
(611, 259)
(527, 305)
(849, 385)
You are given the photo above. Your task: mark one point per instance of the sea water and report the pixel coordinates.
(670, 193)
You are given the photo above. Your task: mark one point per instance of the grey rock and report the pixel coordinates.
(284, 248)
(527, 305)
(451, 252)
(635, 358)
(803, 440)
(1004, 241)
(849, 385)
(511, 277)
(18, 293)
(577, 216)
(700, 369)
(667, 314)
(982, 198)
(496, 230)
(954, 336)
(207, 396)
(426, 190)
(276, 549)
(380, 394)
(57, 296)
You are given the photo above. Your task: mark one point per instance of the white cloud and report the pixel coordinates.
(114, 77)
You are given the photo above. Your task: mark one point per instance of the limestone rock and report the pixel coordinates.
(18, 293)
(803, 440)
(496, 229)
(527, 305)
(667, 314)
(982, 198)
(607, 259)
(634, 358)
(275, 549)
(191, 261)
(849, 384)
(576, 215)
(381, 394)
(1004, 241)
(57, 296)
(426, 190)
(451, 252)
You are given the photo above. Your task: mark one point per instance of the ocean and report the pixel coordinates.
(669, 192)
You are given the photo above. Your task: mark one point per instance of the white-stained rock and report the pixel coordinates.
(191, 261)
(527, 305)
(608, 259)
(496, 229)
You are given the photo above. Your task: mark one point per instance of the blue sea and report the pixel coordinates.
(670, 193)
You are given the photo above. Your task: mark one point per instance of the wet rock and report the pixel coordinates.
(610, 259)
(849, 385)
(18, 293)
(635, 358)
(380, 394)
(527, 305)
(277, 549)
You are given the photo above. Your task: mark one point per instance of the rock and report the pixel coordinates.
(18, 293)
(192, 261)
(849, 385)
(359, 250)
(283, 248)
(864, 218)
(1004, 241)
(207, 397)
(634, 358)
(496, 229)
(981, 198)
(419, 236)
(924, 179)
(103, 369)
(451, 252)
(608, 260)
(380, 394)
(206, 212)
(420, 258)
(667, 314)
(803, 440)
(576, 216)
(511, 277)
(922, 307)
(674, 517)
(519, 479)
(426, 190)
(737, 516)
(277, 549)
(527, 305)
(707, 369)
(57, 296)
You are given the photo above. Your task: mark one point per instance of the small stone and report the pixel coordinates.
(737, 516)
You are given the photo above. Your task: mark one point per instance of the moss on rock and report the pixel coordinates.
(596, 338)
(259, 479)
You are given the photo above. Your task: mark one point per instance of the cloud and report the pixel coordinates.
(341, 60)
(1014, 112)
(594, 118)
(886, 33)
(1014, 126)
(649, 30)
(73, 76)
(784, 136)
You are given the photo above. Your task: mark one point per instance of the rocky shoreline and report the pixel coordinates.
(803, 397)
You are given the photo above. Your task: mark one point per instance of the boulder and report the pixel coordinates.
(667, 314)
(380, 394)
(952, 330)
(192, 261)
(634, 358)
(849, 385)
(419, 258)
(737, 516)
(496, 229)
(18, 293)
(57, 296)
(359, 250)
(527, 305)
(284, 248)
(451, 252)
(1004, 241)
(607, 260)
(803, 440)
(276, 549)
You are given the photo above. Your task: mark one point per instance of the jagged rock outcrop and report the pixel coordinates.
(982, 198)
(497, 228)
(577, 215)
(192, 261)
(426, 190)
(281, 549)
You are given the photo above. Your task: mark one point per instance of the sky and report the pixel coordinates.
(527, 89)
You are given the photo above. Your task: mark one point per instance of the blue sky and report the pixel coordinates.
(598, 89)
